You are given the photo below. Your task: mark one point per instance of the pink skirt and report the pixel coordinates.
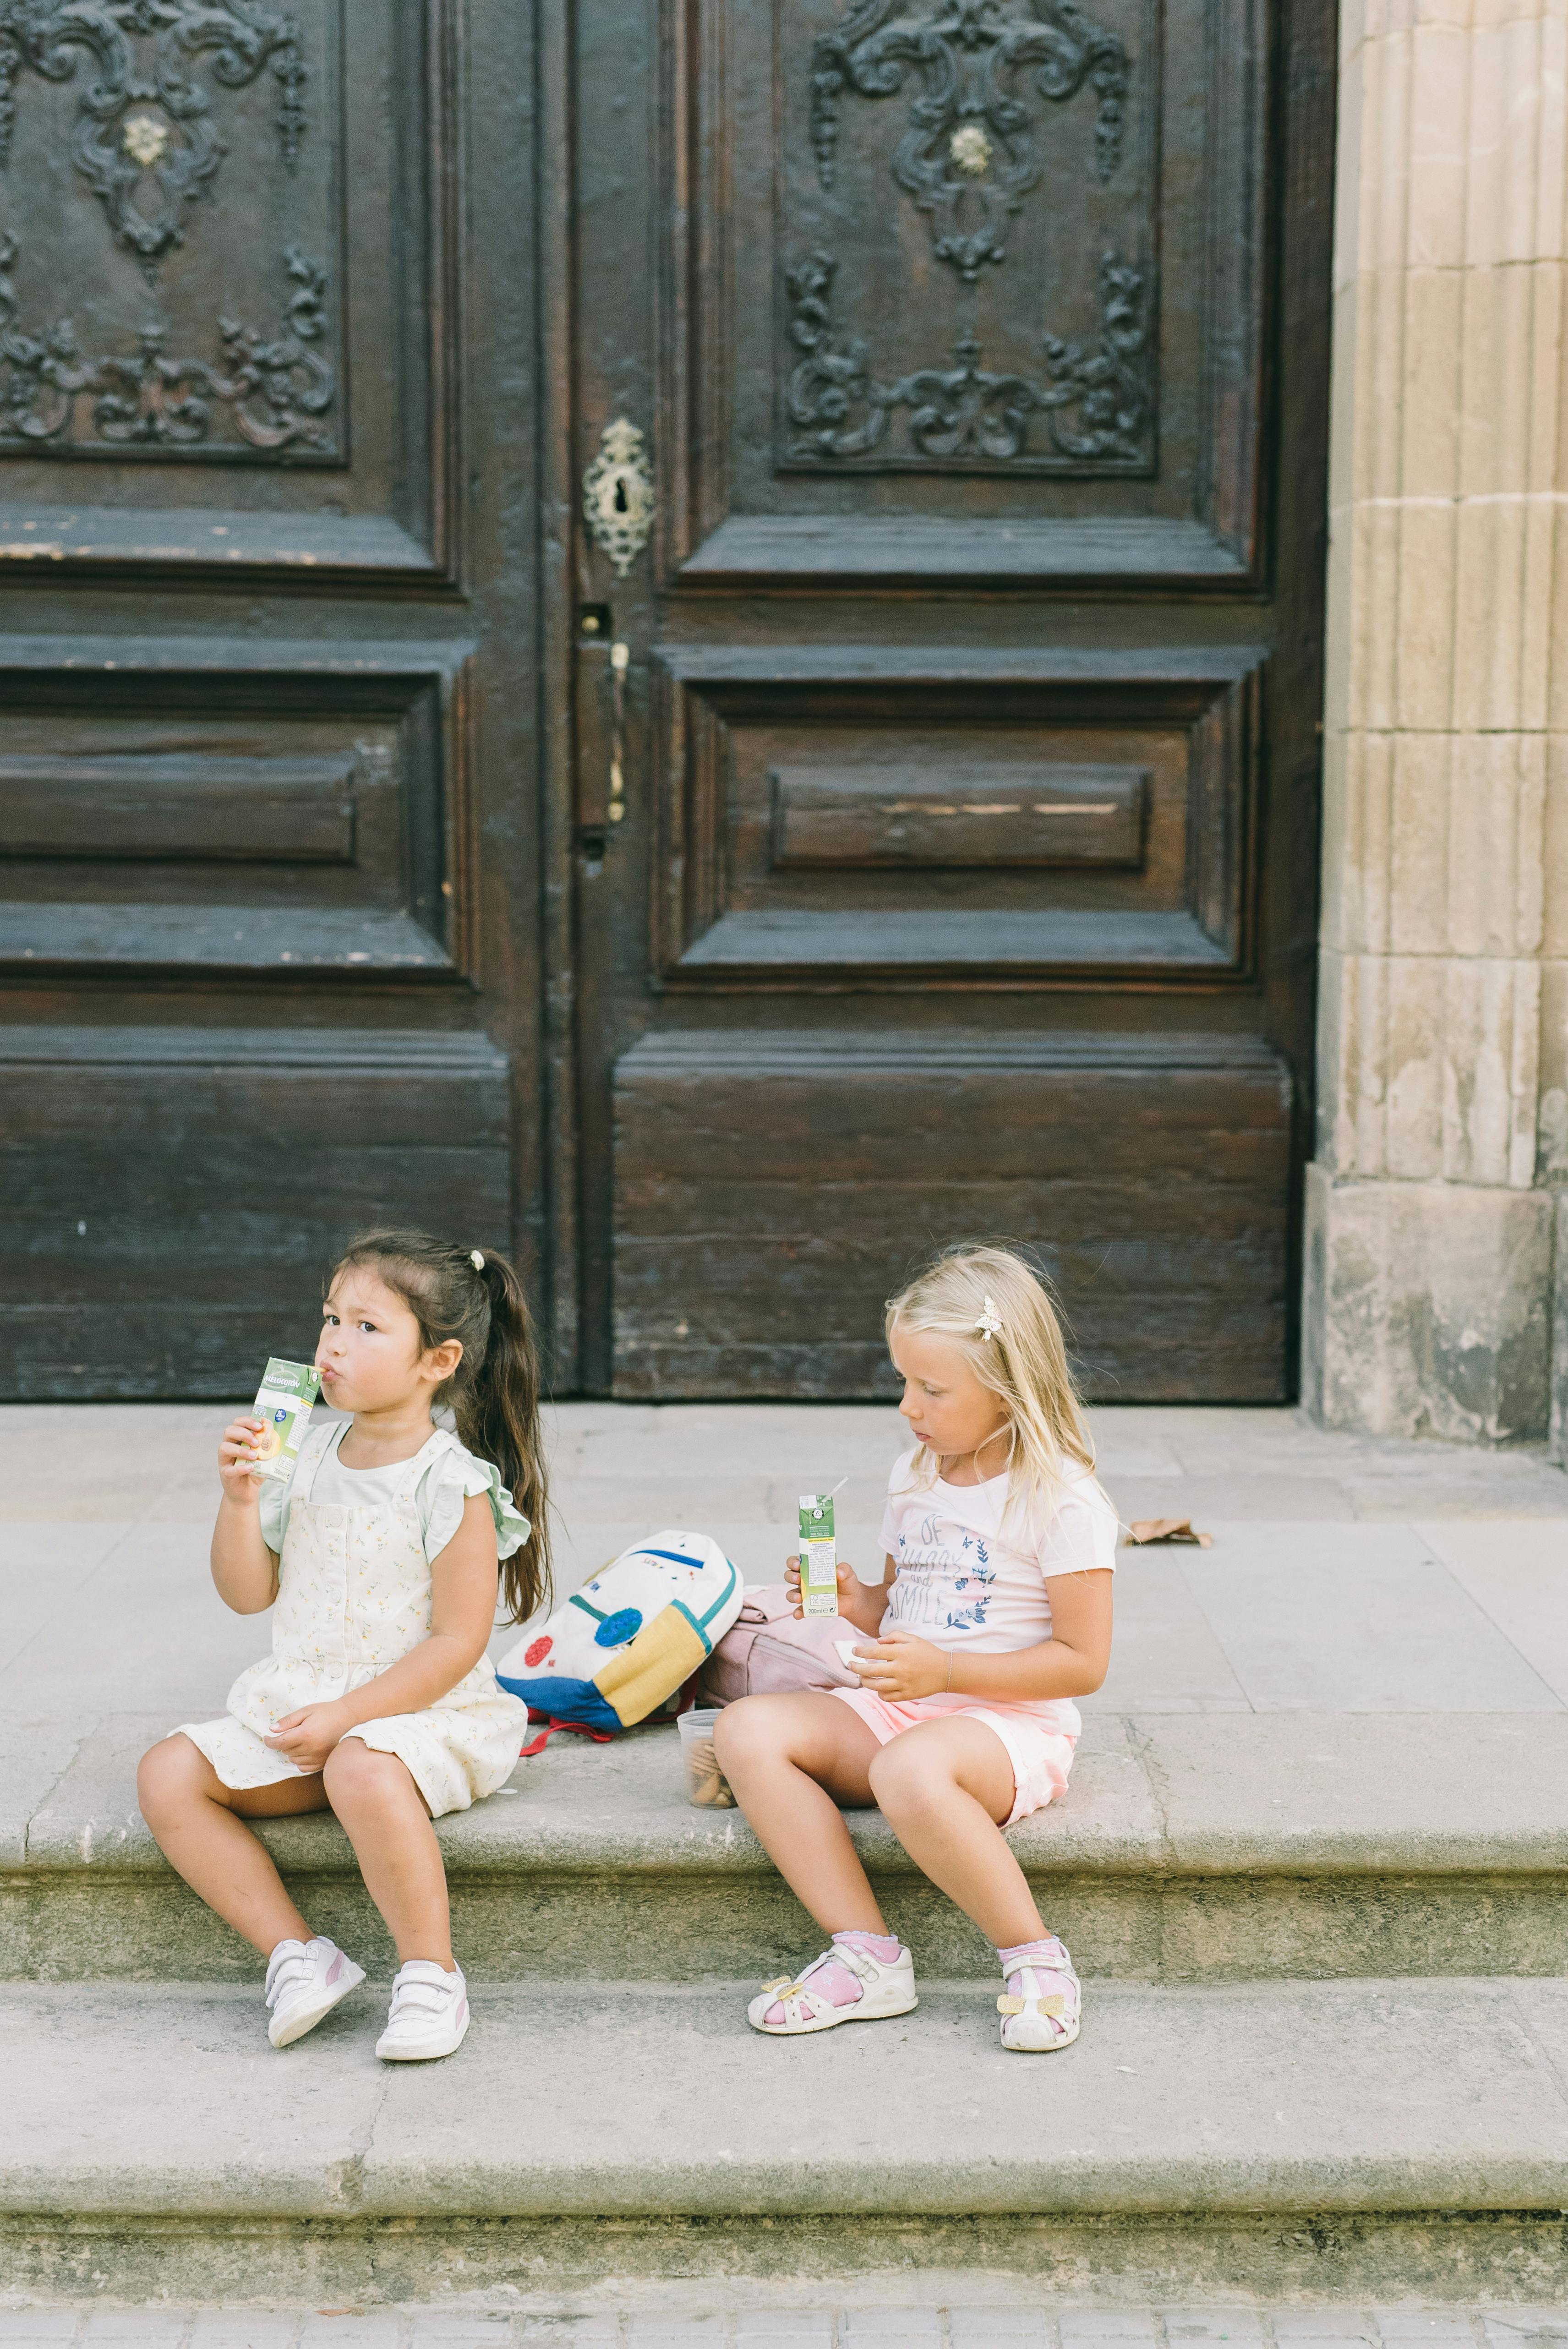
(1041, 1756)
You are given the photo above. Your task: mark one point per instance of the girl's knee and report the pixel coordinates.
(743, 1728)
(908, 1780)
(357, 1772)
(351, 1767)
(170, 1776)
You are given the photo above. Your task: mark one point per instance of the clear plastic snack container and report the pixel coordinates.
(708, 1789)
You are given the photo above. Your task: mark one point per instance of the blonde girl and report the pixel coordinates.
(383, 1556)
(994, 1611)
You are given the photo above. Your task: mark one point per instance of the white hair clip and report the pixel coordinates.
(477, 1259)
(990, 1322)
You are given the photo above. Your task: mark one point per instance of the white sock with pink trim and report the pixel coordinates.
(836, 1984)
(1044, 1957)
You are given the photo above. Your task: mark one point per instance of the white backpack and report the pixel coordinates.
(628, 1641)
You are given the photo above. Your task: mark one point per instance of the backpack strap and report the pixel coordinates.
(578, 1728)
(317, 1443)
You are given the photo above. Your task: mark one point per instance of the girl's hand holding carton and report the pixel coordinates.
(384, 1542)
(861, 1603)
(237, 1463)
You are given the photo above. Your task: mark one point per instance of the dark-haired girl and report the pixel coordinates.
(382, 1553)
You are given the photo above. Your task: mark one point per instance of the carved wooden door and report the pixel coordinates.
(269, 932)
(941, 385)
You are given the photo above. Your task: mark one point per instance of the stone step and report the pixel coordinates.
(1388, 2140)
(1189, 1848)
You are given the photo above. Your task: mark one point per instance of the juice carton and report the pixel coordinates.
(283, 1405)
(819, 1555)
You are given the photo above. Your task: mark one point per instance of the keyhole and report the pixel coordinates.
(623, 504)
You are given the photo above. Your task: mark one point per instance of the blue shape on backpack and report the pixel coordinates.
(564, 1700)
(617, 1629)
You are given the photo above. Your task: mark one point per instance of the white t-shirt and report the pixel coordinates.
(963, 1581)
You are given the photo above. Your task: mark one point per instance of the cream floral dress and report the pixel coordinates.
(353, 1596)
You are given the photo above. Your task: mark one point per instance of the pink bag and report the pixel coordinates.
(769, 1649)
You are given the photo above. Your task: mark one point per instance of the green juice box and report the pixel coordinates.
(819, 1555)
(283, 1405)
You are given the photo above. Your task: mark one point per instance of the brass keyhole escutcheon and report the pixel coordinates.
(618, 502)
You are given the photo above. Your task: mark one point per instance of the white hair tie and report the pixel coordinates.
(477, 1259)
(990, 1322)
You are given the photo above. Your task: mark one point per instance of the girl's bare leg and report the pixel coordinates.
(200, 1826)
(944, 1789)
(385, 1818)
(791, 1761)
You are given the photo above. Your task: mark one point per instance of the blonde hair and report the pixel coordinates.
(1023, 1362)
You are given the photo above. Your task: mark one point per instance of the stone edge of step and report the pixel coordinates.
(1288, 1793)
(1359, 2096)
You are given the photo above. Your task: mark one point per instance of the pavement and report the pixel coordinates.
(1346, 1575)
(821, 2327)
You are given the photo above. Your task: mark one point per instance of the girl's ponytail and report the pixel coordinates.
(477, 1298)
(496, 1413)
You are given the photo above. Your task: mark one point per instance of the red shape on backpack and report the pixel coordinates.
(537, 1651)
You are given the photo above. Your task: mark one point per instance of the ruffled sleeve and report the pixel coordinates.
(453, 1477)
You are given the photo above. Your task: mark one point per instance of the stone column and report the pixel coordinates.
(1443, 1092)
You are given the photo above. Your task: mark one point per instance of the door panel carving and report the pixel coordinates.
(971, 154)
(809, 746)
(144, 120)
(198, 205)
(1002, 309)
(264, 394)
(1096, 398)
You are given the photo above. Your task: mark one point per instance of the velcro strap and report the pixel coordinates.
(1055, 2007)
(781, 1983)
(421, 1998)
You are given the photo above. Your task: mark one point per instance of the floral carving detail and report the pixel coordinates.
(276, 389)
(968, 157)
(145, 138)
(144, 55)
(970, 148)
(1096, 399)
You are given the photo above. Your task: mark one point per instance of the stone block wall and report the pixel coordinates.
(1438, 1206)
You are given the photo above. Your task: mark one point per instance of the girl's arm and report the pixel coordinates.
(244, 1570)
(463, 1580)
(1072, 1662)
